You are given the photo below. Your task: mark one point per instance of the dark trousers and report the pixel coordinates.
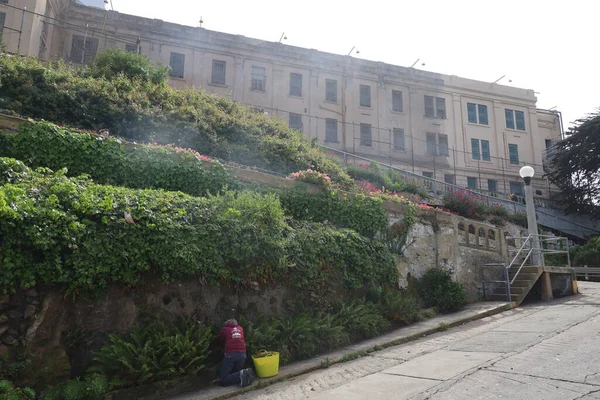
(232, 364)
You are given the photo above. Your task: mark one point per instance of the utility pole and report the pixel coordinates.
(21, 31)
(84, 44)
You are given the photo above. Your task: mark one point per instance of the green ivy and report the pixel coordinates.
(114, 161)
(66, 231)
(361, 213)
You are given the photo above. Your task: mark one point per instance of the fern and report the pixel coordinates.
(154, 353)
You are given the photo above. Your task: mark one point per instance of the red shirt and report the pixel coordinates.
(233, 337)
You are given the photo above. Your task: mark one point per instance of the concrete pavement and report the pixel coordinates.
(539, 351)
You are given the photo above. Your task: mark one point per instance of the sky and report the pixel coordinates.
(547, 46)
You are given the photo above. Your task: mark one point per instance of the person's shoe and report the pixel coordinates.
(249, 376)
(242, 377)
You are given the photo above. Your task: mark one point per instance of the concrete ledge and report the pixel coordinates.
(400, 336)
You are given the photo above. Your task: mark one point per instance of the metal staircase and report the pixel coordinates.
(519, 276)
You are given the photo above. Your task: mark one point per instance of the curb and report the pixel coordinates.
(358, 354)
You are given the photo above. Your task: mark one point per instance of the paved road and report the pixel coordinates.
(539, 351)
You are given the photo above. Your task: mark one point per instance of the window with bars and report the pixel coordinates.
(331, 90)
(480, 150)
(477, 114)
(365, 96)
(396, 101)
(399, 139)
(131, 48)
(514, 119)
(492, 186)
(365, 135)
(435, 107)
(259, 79)
(83, 53)
(517, 188)
(295, 121)
(513, 154)
(471, 182)
(177, 64)
(449, 179)
(219, 71)
(295, 84)
(331, 130)
(437, 144)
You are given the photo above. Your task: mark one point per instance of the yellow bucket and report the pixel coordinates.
(266, 363)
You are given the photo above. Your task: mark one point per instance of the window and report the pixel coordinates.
(83, 52)
(471, 182)
(517, 188)
(3, 1)
(435, 107)
(365, 135)
(331, 130)
(396, 101)
(295, 84)
(259, 79)
(218, 72)
(399, 139)
(131, 48)
(449, 179)
(475, 155)
(431, 143)
(480, 150)
(513, 153)
(477, 113)
(515, 119)
(426, 182)
(331, 90)
(365, 96)
(437, 144)
(295, 121)
(177, 63)
(2, 20)
(492, 186)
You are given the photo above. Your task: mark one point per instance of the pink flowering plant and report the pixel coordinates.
(465, 204)
(312, 176)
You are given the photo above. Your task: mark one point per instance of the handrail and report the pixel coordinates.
(509, 204)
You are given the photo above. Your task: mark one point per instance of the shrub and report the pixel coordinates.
(588, 254)
(69, 231)
(59, 230)
(142, 110)
(92, 387)
(465, 204)
(113, 62)
(361, 320)
(518, 218)
(390, 181)
(438, 290)
(359, 212)
(400, 306)
(152, 353)
(9, 392)
(314, 177)
(114, 161)
(304, 335)
(322, 258)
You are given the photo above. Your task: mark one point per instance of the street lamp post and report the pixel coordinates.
(537, 258)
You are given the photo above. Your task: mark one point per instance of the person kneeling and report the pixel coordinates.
(231, 338)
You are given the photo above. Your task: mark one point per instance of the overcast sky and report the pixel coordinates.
(548, 46)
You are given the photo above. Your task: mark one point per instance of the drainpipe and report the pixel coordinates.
(344, 108)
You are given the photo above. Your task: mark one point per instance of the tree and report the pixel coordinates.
(135, 66)
(575, 168)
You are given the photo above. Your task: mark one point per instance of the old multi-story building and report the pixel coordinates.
(456, 130)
